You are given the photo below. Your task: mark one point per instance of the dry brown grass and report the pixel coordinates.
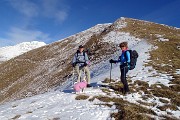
(163, 100)
(16, 71)
(167, 106)
(166, 92)
(29, 112)
(146, 103)
(141, 83)
(107, 80)
(117, 86)
(57, 118)
(106, 90)
(81, 97)
(106, 104)
(175, 88)
(126, 110)
(16, 117)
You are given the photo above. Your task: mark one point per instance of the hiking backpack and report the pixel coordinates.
(87, 51)
(133, 58)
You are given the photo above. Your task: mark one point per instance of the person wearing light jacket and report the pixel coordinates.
(124, 60)
(80, 62)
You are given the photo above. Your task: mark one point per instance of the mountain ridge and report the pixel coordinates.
(49, 66)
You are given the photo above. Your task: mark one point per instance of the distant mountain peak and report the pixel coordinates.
(9, 52)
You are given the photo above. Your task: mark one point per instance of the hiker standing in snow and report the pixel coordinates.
(124, 60)
(80, 63)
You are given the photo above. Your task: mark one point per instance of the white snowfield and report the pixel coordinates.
(9, 52)
(54, 105)
(61, 105)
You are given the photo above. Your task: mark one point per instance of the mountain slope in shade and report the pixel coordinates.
(9, 52)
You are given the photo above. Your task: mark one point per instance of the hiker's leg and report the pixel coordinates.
(126, 83)
(78, 72)
(124, 71)
(87, 72)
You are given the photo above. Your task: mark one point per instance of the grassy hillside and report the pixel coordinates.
(42, 69)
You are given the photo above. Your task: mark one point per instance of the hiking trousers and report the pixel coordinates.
(83, 69)
(124, 70)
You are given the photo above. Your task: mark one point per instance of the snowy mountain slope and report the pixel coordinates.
(49, 67)
(43, 68)
(9, 52)
(63, 106)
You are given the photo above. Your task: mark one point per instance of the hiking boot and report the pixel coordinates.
(121, 90)
(88, 85)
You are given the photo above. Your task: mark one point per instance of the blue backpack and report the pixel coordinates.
(133, 58)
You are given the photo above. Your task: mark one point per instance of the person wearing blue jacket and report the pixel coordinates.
(124, 60)
(80, 62)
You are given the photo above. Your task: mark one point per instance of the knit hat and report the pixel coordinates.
(81, 46)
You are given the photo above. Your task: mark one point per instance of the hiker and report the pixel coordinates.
(80, 63)
(124, 65)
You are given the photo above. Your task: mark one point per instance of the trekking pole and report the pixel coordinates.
(73, 77)
(110, 72)
(84, 78)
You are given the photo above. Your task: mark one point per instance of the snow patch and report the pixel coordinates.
(163, 39)
(160, 38)
(178, 71)
(118, 37)
(120, 23)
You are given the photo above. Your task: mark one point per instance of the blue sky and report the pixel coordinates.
(52, 20)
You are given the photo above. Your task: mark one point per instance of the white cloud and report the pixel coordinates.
(27, 8)
(61, 16)
(18, 35)
(54, 9)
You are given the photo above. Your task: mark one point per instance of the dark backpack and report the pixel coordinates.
(78, 55)
(133, 58)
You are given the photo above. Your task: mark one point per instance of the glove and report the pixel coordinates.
(112, 61)
(74, 64)
(126, 64)
(85, 64)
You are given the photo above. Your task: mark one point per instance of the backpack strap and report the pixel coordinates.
(125, 55)
(84, 55)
